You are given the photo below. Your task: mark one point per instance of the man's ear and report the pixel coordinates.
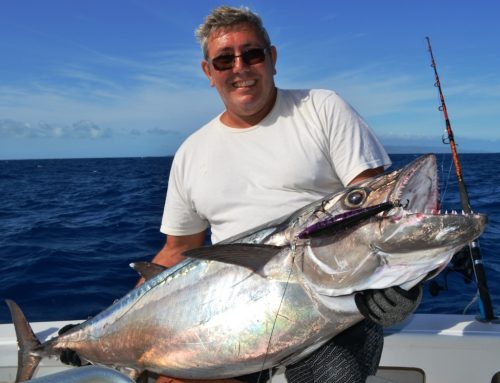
(274, 57)
(205, 66)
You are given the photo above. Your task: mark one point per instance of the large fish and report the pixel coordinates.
(271, 295)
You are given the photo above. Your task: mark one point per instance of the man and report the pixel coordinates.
(269, 153)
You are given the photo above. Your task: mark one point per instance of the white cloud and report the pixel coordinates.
(161, 132)
(79, 130)
(11, 128)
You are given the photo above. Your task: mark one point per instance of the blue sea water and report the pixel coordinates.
(69, 229)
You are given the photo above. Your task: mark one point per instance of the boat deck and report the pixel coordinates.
(427, 348)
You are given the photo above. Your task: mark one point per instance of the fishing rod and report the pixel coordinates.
(485, 306)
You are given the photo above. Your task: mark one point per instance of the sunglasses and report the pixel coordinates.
(250, 57)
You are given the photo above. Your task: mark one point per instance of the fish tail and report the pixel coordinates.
(27, 341)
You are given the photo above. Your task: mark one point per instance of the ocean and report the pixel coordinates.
(69, 229)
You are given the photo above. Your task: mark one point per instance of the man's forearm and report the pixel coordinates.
(168, 256)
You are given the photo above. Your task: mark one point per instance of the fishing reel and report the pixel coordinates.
(460, 263)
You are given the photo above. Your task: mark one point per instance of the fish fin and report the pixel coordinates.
(148, 270)
(247, 255)
(27, 341)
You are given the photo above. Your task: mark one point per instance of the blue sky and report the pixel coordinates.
(108, 78)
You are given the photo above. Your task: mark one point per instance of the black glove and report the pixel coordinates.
(69, 356)
(388, 306)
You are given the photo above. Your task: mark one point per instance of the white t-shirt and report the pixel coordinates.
(311, 144)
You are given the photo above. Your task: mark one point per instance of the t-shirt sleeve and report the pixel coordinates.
(354, 146)
(179, 214)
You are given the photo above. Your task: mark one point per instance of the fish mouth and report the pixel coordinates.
(417, 215)
(417, 186)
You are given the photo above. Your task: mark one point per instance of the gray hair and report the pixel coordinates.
(227, 17)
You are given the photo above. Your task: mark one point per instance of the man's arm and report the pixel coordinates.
(170, 253)
(368, 173)
(174, 246)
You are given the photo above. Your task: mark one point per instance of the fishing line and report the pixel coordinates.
(292, 261)
(467, 280)
(474, 300)
(445, 180)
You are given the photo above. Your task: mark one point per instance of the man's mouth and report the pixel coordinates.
(244, 84)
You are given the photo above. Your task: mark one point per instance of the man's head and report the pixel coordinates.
(226, 18)
(240, 63)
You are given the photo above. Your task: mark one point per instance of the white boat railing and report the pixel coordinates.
(86, 374)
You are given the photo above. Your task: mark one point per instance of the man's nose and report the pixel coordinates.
(239, 64)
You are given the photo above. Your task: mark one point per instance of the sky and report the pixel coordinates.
(122, 78)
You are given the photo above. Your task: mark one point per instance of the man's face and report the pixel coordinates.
(248, 91)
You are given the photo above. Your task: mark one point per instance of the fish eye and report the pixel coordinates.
(355, 197)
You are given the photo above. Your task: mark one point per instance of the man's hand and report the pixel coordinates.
(69, 356)
(388, 306)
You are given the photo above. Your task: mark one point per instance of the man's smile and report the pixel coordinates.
(244, 84)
